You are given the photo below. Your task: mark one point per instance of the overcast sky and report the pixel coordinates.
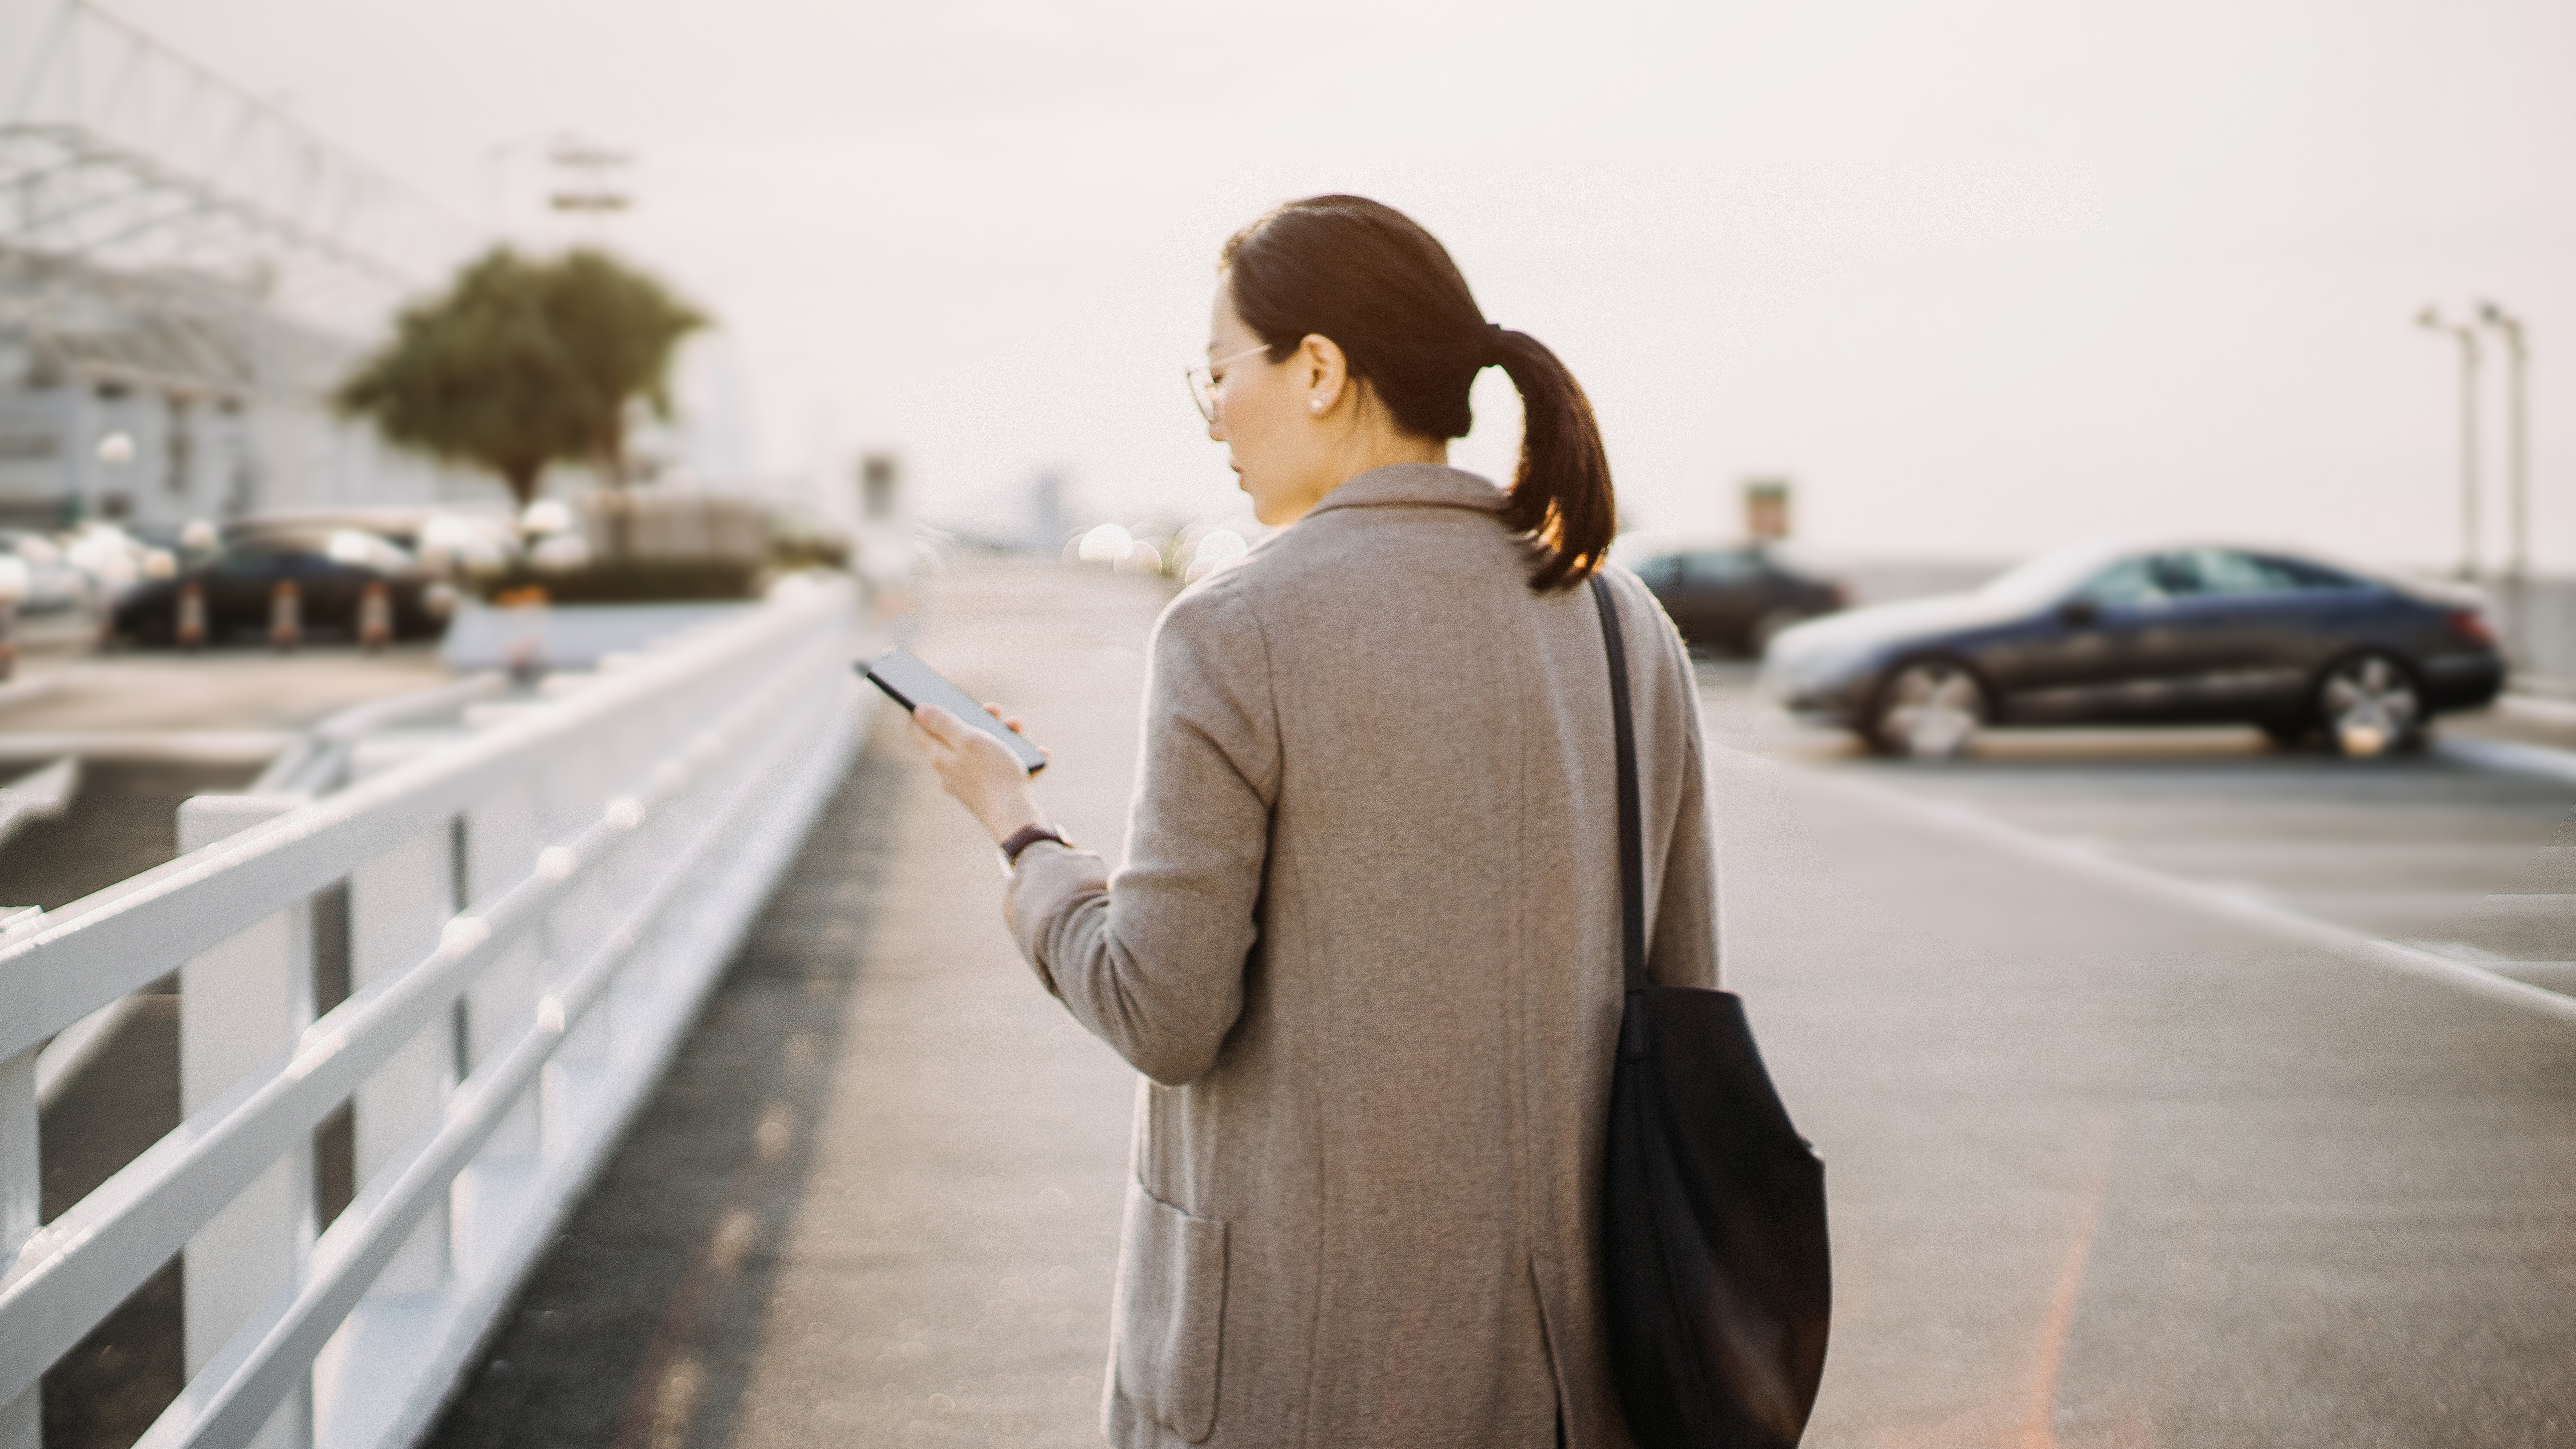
(1980, 277)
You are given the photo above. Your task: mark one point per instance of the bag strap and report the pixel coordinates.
(1632, 841)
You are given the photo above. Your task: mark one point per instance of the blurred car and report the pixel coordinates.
(113, 558)
(331, 573)
(2189, 634)
(55, 586)
(444, 538)
(1733, 599)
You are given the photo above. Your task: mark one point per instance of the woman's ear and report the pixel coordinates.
(1323, 370)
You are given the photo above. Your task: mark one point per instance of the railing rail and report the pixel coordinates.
(319, 762)
(666, 794)
(99, 948)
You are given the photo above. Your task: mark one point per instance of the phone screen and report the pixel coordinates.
(909, 682)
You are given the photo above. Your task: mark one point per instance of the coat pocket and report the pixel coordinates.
(1170, 1314)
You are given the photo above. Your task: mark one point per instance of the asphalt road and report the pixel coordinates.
(2134, 1138)
(57, 699)
(2115, 1161)
(2468, 865)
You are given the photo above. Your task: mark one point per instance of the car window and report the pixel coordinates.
(1659, 573)
(2225, 571)
(350, 547)
(1719, 568)
(2143, 579)
(2297, 573)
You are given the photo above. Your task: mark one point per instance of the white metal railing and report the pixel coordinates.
(319, 762)
(535, 911)
(315, 764)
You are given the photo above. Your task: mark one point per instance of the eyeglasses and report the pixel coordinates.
(1203, 381)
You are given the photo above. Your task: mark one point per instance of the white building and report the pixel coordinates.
(185, 273)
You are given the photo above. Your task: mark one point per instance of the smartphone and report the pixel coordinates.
(910, 683)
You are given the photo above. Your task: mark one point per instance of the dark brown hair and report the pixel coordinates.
(1385, 291)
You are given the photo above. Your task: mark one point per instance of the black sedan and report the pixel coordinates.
(2191, 634)
(238, 586)
(1733, 599)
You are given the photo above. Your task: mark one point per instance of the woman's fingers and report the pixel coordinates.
(959, 741)
(939, 724)
(1010, 722)
(977, 769)
(931, 745)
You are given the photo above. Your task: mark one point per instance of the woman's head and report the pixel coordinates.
(1359, 325)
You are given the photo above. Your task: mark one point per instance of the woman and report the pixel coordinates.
(1365, 945)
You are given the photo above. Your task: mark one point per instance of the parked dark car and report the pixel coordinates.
(1733, 600)
(331, 572)
(2190, 634)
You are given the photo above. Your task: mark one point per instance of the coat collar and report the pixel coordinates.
(1414, 485)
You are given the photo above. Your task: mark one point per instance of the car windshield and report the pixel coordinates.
(2047, 578)
(366, 550)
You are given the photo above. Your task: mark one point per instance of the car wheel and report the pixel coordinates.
(2368, 705)
(1928, 710)
(1757, 640)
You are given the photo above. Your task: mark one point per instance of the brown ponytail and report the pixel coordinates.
(1386, 292)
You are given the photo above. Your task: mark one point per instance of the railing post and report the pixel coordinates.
(499, 839)
(495, 845)
(576, 792)
(241, 1003)
(22, 1191)
(22, 1419)
(397, 903)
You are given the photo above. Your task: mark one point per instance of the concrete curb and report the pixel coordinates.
(29, 690)
(2509, 757)
(222, 747)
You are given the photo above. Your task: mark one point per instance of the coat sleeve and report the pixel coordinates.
(1684, 950)
(1152, 961)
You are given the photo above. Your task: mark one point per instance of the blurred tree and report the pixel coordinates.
(524, 363)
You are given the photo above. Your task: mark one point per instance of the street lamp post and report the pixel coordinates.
(2467, 336)
(2517, 464)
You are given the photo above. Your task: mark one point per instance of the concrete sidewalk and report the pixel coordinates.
(877, 1200)
(2109, 1167)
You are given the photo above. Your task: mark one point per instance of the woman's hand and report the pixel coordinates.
(978, 769)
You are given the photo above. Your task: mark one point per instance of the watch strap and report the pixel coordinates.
(1026, 836)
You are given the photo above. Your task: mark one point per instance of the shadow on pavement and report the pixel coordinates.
(621, 1334)
(106, 1392)
(123, 822)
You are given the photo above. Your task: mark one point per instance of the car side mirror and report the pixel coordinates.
(2079, 613)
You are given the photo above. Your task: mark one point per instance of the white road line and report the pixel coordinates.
(2216, 902)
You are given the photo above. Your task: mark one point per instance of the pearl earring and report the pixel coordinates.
(1314, 404)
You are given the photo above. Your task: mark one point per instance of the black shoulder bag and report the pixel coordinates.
(1719, 1289)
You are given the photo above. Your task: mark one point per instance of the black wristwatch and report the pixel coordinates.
(1026, 836)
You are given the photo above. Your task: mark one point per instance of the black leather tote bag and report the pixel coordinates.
(1719, 1287)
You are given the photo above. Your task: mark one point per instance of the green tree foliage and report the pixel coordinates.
(522, 363)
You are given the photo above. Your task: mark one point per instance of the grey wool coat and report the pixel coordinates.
(1365, 949)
